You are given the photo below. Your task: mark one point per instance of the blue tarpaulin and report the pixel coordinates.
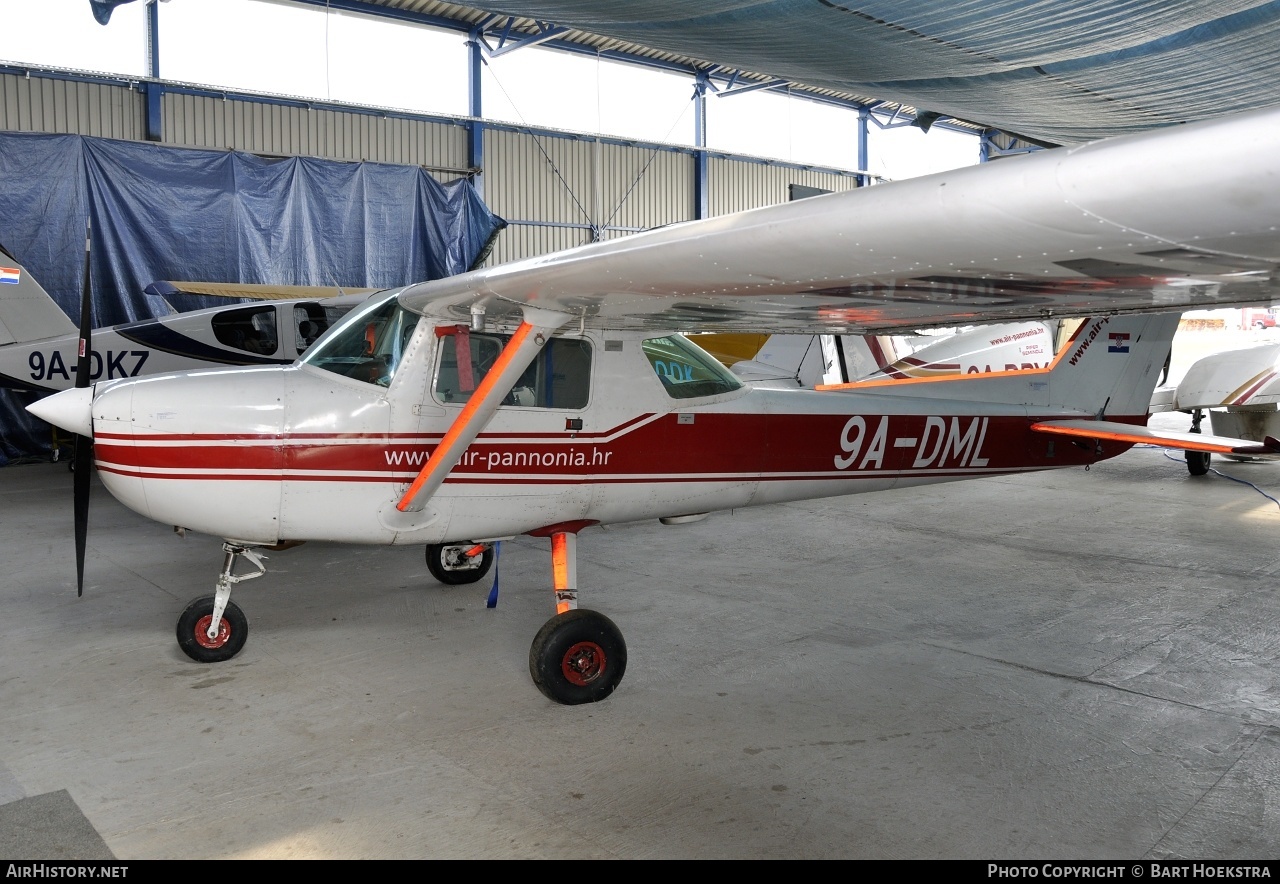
(102, 9)
(160, 212)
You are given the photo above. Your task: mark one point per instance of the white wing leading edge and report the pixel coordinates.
(1176, 219)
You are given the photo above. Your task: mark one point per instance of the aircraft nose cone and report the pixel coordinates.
(70, 410)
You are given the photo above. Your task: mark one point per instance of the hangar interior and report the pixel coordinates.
(1087, 669)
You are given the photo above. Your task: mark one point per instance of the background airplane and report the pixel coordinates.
(808, 360)
(38, 342)
(1238, 389)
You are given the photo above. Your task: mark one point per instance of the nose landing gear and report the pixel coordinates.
(457, 563)
(213, 628)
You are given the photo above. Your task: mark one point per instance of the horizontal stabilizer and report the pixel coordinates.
(1092, 429)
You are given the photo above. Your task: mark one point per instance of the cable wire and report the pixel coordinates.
(1216, 472)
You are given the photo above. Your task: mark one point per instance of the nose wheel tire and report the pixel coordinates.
(449, 563)
(578, 657)
(193, 629)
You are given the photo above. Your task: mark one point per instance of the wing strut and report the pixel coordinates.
(520, 351)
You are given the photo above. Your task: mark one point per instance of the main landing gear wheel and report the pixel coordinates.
(1198, 462)
(193, 631)
(578, 657)
(450, 564)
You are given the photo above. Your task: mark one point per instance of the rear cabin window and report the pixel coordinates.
(686, 370)
(559, 377)
(252, 329)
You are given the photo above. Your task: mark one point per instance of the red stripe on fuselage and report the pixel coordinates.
(724, 446)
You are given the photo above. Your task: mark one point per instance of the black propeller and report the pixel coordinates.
(84, 446)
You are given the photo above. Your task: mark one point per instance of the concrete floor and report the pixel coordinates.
(1077, 664)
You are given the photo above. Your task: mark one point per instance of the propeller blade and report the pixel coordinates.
(83, 454)
(84, 446)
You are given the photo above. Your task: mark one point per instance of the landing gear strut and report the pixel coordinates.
(578, 656)
(1197, 461)
(213, 628)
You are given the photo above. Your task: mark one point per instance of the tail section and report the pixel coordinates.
(1111, 365)
(1108, 366)
(27, 313)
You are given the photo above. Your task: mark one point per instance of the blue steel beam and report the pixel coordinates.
(752, 87)
(545, 34)
(701, 195)
(989, 148)
(152, 90)
(864, 154)
(475, 110)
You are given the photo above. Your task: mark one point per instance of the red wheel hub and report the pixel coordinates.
(202, 632)
(583, 663)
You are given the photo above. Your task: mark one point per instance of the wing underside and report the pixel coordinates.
(1173, 220)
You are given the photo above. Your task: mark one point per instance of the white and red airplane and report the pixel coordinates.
(558, 393)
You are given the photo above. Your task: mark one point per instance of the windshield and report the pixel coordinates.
(369, 343)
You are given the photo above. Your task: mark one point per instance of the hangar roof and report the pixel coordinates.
(1052, 71)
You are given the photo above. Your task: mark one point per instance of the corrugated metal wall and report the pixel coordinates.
(736, 185)
(553, 189)
(285, 130)
(47, 104)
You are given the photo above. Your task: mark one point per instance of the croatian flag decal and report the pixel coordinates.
(1119, 342)
(10, 275)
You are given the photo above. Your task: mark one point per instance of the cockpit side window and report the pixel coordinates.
(560, 376)
(686, 370)
(309, 322)
(369, 344)
(252, 329)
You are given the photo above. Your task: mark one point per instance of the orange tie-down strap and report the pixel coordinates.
(461, 335)
(440, 462)
(1091, 429)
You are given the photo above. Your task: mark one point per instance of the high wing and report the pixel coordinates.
(255, 291)
(1171, 220)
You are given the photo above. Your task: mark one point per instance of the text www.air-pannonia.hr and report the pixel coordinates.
(492, 460)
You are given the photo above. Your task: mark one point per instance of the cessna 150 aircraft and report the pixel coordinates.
(38, 342)
(557, 393)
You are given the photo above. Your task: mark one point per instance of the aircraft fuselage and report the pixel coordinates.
(273, 454)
